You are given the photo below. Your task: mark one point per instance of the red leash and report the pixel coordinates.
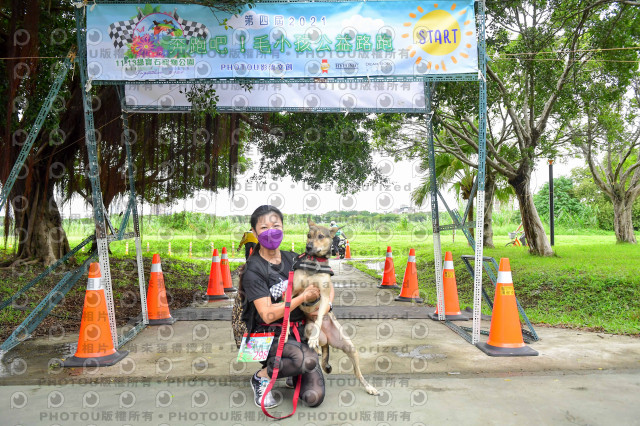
(276, 364)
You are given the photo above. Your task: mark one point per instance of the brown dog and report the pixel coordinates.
(325, 331)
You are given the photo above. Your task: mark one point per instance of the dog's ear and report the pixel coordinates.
(311, 222)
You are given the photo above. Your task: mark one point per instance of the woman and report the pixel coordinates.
(261, 286)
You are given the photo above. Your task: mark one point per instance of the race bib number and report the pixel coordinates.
(255, 347)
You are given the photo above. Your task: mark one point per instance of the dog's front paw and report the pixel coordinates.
(314, 342)
(371, 390)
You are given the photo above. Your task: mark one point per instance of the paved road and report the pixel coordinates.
(592, 398)
(185, 374)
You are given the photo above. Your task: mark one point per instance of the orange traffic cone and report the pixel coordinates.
(451, 304)
(226, 272)
(347, 252)
(505, 335)
(157, 305)
(389, 275)
(95, 343)
(215, 290)
(410, 290)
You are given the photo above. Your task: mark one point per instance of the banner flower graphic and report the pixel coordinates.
(153, 33)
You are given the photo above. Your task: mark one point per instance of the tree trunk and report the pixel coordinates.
(489, 191)
(38, 222)
(533, 229)
(622, 221)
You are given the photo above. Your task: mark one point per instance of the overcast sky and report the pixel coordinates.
(293, 197)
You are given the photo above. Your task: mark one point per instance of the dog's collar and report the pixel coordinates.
(307, 256)
(312, 264)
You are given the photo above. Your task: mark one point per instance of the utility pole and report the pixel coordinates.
(551, 213)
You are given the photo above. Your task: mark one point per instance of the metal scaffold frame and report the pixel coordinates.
(480, 262)
(101, 220)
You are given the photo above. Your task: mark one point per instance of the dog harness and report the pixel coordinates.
(313, 264)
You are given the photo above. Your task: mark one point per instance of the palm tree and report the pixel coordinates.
(449, 171)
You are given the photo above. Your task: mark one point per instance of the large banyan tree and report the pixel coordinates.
(174, 154)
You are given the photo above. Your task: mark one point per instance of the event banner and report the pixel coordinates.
(292, 96)
(137, 41)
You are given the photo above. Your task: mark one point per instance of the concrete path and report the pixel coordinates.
(425, 372)
(593, 399)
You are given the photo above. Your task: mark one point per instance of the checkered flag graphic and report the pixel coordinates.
(191, 28)
(278, 289)
(122, 32)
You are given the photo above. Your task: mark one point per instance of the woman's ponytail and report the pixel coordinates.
(242, 269)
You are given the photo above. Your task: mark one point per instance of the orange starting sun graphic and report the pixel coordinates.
(439, 33)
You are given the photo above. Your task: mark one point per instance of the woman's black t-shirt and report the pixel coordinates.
(257, 280)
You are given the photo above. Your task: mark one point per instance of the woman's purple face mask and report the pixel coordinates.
(272, 237)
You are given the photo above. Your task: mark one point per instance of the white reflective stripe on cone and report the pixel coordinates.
(216, 259)
(412, 259)
(94, 284)
(156, 267)
(504, 277)
(225, 256)
(448, 264)
(389, 254)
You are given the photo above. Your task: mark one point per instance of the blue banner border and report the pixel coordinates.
(268, 80)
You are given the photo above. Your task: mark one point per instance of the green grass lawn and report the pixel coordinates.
(185, 280)
(591, 282)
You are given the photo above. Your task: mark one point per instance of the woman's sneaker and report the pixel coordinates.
(259, 386)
